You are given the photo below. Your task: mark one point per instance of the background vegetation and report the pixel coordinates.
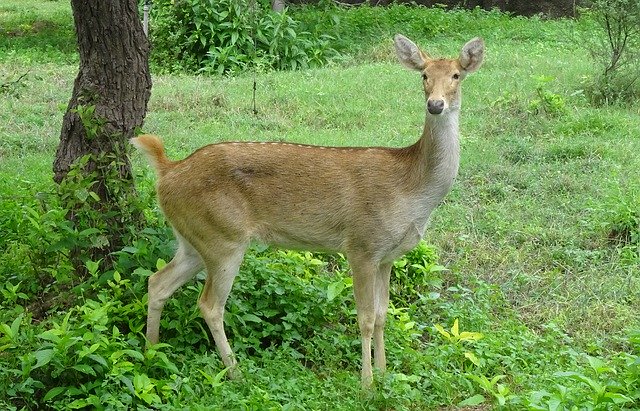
(525, 297)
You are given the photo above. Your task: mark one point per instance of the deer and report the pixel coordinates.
(371, 204)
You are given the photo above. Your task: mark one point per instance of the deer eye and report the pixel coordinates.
(456, 76)
(424, 77)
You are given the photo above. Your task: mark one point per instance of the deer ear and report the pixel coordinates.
(409, 54)
(472, 54)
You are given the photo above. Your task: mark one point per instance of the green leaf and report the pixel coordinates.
(497, 378)
(251, 318)
(43, 357)
(442, 331)
(472, 401)
(617, 398)
(455, 329)
(92, 266)
(408, 325)
(6, 330)
(134, 354)
(80, 403)
(472, 357)
(598, 365)
(85, 369)
(167, 363)
(82, 194)
(87, 232)
(98, 358)
(50, 335)
(334, 289)
(470, 336)
(215, 381)
(54, 392)
(15, 326)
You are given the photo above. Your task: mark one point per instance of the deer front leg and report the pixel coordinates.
(364, 274)
(382, 305)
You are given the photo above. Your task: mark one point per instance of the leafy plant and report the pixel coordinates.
(455, 336)
(13, 88)
(615, 49)
(546, 102)
(493, 387)
(620, 221)
(228, 36)
(416, 275)
(463, 359)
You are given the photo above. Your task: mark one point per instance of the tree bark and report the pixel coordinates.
(108, 103)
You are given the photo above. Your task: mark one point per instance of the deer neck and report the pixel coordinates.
(437, 155)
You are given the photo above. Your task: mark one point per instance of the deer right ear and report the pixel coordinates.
(409, 54)
(472, 54)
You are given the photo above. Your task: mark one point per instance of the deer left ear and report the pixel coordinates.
(472, 55)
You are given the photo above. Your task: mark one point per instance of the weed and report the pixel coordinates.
(546, 101)
(614, 44)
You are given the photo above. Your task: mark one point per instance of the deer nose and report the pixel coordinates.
(435, 106)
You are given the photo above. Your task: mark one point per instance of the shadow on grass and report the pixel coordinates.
(23, 32)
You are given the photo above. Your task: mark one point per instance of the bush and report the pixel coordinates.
(227, 36)
(615, 49)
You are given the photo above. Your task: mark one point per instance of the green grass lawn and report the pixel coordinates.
(530, 234)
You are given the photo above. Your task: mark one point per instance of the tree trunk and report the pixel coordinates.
(108, 103)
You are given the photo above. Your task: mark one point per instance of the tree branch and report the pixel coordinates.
(4, 87)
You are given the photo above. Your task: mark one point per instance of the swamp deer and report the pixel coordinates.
(369, 203)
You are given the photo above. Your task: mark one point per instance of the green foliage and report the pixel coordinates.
(417, 276)
(90, 121)
(230, 36)
(601, 385)
(546, 101)
(13, 87)
(268, 308)
(621, 221)
(90, 357)
(40, 240)
(614, 43)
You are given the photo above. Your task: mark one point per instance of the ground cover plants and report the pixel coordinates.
(525, 294)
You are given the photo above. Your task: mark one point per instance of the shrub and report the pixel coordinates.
(615, 50)
(416, 275)
(227, 36)
(90, 357)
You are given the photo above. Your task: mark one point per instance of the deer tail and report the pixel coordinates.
(153, 148)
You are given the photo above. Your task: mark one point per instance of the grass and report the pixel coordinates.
(526, 230)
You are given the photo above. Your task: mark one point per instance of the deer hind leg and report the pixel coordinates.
(184, 266)
(222, 265)
(364, 283)
(382, 305)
